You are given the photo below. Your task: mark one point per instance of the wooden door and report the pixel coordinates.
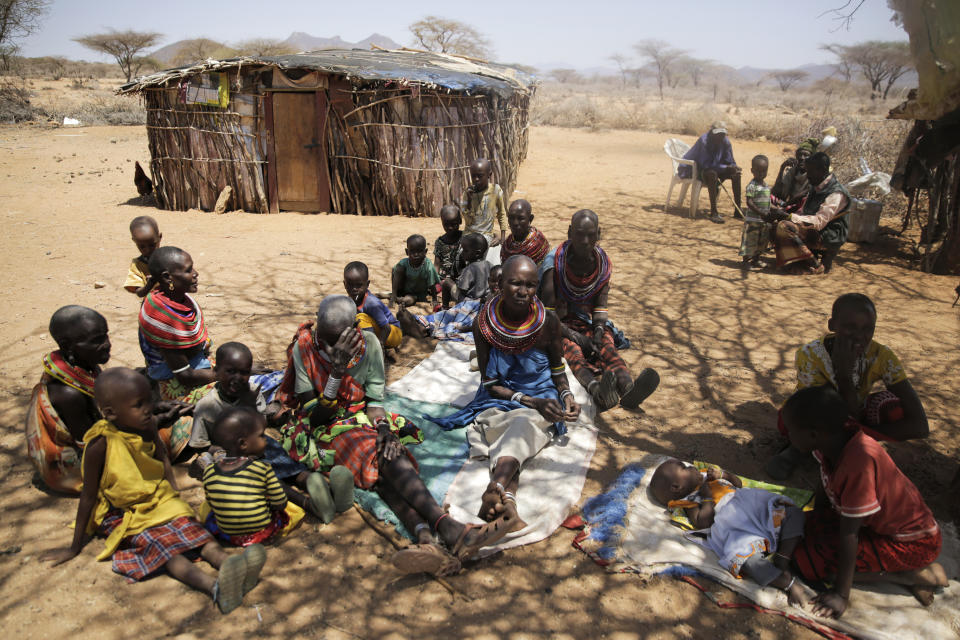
(300, 158)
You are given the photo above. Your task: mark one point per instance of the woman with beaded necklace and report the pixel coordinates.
(524, 396)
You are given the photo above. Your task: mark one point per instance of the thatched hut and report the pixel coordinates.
(346, 131)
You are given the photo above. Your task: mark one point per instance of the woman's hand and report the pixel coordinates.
(388, 445)
(169, 411)
(343, 351)
(549, 408)
(597, 340)
(829, 604)
(572, 409)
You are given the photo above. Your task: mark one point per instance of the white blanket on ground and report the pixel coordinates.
(650, 544)
(550, 483)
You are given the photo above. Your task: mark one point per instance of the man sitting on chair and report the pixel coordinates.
(714, 157)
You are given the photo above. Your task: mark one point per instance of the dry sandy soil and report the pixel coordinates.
(722, 339)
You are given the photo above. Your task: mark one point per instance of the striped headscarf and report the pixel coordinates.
(166, 324)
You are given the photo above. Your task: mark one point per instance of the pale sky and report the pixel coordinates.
(559, 33)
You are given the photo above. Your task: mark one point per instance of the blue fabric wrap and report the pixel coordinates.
(527, 372)
(157, 368)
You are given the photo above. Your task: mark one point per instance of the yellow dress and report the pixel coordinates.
(877, 364)
(137, 276)
(133, 482)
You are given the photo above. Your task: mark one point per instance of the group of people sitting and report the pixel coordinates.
(111, 435)
(803, 214)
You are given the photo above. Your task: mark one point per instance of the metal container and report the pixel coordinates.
(864, 219)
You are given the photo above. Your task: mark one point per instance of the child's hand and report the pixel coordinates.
(714, 473)
(796, 596)
(829, 604)
(843, 357)
(704, 490)
(60, 556)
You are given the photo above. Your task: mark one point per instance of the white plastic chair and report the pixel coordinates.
(675, 149)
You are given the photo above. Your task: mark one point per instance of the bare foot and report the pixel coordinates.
(928, 580)
(491, 503)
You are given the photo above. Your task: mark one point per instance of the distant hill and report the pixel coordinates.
(299, 41)
(305, 42)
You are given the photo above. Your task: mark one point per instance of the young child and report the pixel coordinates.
(755, 230)
(481, 202)
(125, 463)
(146, 235)
(248, 504)
(234, 389)
(372, 314)
(414, 278)
(455, 323)
(745, 524)
(524, 238)
(870, 523)
(851, 361)
(474, 278)
(447, 246)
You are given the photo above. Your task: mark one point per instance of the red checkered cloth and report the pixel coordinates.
(278, 523)
(607, 358)
(817, 556)
(356, 449)
(140, 555)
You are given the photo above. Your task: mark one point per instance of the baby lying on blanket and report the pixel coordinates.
(752, 531)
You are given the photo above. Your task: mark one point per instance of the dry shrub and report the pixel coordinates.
(15, 102)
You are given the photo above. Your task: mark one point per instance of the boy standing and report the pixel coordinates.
(755, 230)
(481, 202)
(146, 235)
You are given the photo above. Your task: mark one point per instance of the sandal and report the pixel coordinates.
(425, 558)
(320, 499)
(605, 393)
(341, 486)
(645, 384)
(488, 534)
(254, 557)
(228, 589)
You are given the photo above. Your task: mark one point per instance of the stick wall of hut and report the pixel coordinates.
(197, 150)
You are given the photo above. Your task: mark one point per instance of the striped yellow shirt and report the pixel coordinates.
(243, 499)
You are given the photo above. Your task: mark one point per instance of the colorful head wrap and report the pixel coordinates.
(810, 144)
(56, 366)
(535, 246)
(507, 337)
(581, 289)
(166, 324)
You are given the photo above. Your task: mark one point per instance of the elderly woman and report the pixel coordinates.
(792, 183)
(821, 227)
(62, 407)
(334, 384)
(173, 336)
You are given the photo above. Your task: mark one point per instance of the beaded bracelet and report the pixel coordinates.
(516, 397)
(331, 388)
(565, 393)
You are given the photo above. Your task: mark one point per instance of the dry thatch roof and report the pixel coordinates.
(432, 70)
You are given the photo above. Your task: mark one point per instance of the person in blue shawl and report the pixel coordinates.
(524, 397)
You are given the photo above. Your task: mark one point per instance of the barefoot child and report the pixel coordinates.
(481, 202)
(372, 314)
(871, 523)
(146, 235)
(524, 238)
(414, 278)
(755, 229)
(447, 246)
(234, 389)
(745, 524)
(851, 361)
(128, 495)
(455, 323)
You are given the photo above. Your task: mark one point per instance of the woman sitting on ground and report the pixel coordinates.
(792, 183)
(62, 408)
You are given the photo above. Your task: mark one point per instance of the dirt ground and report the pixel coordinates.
(722, 339)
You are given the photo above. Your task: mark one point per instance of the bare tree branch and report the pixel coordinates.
(443, 35)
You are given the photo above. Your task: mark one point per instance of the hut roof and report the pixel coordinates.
(435, 70)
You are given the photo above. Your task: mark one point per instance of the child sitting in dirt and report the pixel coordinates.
(745, 524)
(447, 246)
(481, 202)
(414, 278)
(756, 231)
(870, 523)
(146, 235)
(851, 361)
(474, 278)
(234, 389)
(125, 463)
(372, 314)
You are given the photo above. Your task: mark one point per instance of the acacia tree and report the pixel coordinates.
(661, 55)
(844, 65)
(263, 47)
(566, 76)
(443, 35)
(693, 67)
(198, 50)
(124, 46)
(621, 61)
(18, 19)
(788, 78)
(882, 63)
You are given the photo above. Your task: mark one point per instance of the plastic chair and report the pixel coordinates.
(675, 149)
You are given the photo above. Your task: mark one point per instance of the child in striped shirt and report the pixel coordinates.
(247, 502)
(756, 231)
